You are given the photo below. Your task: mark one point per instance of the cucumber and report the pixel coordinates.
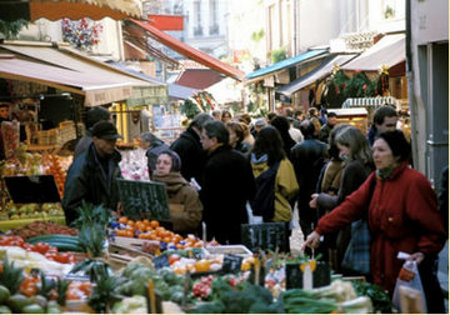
(50, 237)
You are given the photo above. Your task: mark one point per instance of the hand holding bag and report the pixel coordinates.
(408, 277)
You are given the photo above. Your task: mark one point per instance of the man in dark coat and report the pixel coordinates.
(308, 158)
(4, 116)
(93, 116)
(228, 183)
(92, 177)
(189, 148)
(326, 129)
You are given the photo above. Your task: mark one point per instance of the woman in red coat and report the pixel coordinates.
(403, 216)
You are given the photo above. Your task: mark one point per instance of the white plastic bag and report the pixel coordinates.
(408, 277)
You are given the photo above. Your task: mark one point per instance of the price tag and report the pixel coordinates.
(231, 263)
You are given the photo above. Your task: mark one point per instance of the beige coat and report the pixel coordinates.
(185, 206)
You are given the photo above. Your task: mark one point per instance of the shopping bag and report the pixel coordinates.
(357, 256)
(408, 277)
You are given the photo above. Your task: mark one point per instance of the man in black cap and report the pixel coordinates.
(93, 116)
(92, 177)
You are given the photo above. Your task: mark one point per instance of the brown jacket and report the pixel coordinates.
(185, 206)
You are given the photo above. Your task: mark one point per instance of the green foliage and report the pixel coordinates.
(189, 108)
(105, 294)
(340, 87)
(278, 55)
(198, 103)
(89, 214)
(12, 276)
(11, 29)
(92, 239)
(380, 298)
(257, 35)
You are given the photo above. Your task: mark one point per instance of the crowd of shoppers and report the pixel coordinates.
(338, 178)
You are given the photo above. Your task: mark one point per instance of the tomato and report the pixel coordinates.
(86, 287)
(173, 258)
(74, 294)
(41, 247)
(28, 247)
(62, 258)
(30, 291)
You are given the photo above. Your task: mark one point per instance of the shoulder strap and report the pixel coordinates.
(373, 183)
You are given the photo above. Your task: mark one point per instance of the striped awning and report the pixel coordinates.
(370, 101)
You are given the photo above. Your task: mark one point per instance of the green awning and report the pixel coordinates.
(148, 95)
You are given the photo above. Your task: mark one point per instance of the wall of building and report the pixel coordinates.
(206, 27)
(429, 83)
(110, 41)
(246, 22)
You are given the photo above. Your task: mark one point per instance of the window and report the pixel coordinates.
(198, 31)
(213, 16)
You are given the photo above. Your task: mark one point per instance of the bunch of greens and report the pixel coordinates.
(243, 298)
(380, 298)
(89, 214)
(105, 294)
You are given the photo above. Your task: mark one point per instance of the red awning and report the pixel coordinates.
(166, 22)
(198, 78)
(190, 52)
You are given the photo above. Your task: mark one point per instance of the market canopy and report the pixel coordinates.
(89, 75)
(388, 51)
(96, 91)
(188, 51)
(319, 73)
(32, 10)
(282, 65)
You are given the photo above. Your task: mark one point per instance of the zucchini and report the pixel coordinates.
(50, 237)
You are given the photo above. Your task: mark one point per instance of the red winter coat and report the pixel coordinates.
(403, 216)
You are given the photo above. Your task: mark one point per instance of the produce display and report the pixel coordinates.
(53, 268)
(31, 211)
(11, 134)
(53, 165)
(151, 230)
(39, 228)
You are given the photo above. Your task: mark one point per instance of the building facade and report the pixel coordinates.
(427, 71)
(206, 26)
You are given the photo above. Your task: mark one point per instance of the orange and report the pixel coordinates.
(146, 223)
(149, 229)
(140, 226)
(154, 224)
(129, 233)
(123, 220)
(130, 222)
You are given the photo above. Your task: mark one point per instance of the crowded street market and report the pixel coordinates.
(221, 156)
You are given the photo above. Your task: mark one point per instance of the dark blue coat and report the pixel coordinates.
(86, 181)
